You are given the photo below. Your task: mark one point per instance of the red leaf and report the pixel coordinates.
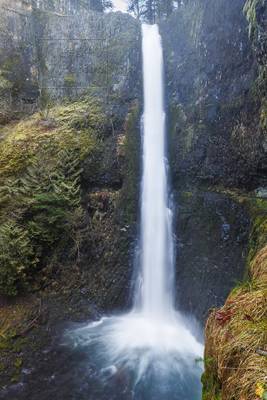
(223, 316)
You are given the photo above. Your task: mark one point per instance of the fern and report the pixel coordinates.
(45, 201)
(17, 258)
(66, 180)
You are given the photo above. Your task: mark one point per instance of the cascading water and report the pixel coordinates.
(152, 346)
(156, 218)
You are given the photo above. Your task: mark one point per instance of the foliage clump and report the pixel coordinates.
(40, 187)
(17, 258)
(250, 10)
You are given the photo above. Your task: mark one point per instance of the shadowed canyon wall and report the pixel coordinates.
(216, 131)
(47, 55)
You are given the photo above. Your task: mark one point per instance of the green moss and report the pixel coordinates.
(17, 257)
(69, 80)
(131, 149)
(10, 64)
(40, 173)
(246, 286)
(250, 10)
(16, 376)
(5, 344)
(211, 386)
(75, 125)
(263, 117)
(18, 363)
(187, 195)
(177, 121)
(18, 344)
(5, 84)
(258, 232)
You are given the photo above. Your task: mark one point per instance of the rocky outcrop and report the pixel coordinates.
(212, 236)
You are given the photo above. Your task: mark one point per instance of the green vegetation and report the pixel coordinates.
(5, 84)
(69, 80)
(17, 257)
(250, 10)
(264, 115)
(211, 389)
(130, 147)
(40, 196)
(151, 10)
(253, 10)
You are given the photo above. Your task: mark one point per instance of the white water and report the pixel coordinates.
(152, 342)
(156, 218)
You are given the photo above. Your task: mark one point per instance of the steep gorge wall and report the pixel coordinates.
(214, 139)
(47, 55)
(216, 131)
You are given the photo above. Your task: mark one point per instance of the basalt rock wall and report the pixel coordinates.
(46, 55)
(216, 128)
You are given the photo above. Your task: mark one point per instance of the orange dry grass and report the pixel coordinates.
(14, 317)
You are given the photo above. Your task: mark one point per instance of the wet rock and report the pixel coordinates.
(213, 232)
(215, 132)
(47, 56)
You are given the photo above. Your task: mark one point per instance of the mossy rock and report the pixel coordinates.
(69, 80)
(250, 10)
(40, 174)
(129, 147)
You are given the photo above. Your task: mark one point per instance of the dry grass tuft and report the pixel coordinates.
(259, 266)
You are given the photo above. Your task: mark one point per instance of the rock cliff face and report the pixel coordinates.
(212, 235)
(216, 133)
(48, 55)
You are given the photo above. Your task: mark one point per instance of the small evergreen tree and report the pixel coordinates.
(152, 10)
(98, 5)
(17, 258)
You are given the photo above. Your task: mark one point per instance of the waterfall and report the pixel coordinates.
(156, 217)
(152, 346)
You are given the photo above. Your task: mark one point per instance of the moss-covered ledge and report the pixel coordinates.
(236, 334)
